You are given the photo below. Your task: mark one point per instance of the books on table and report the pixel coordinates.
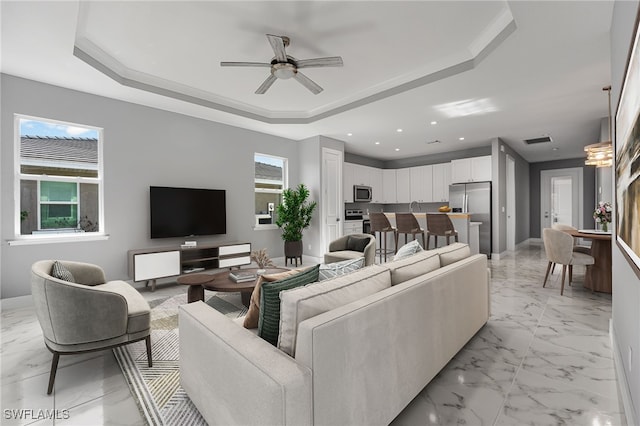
(242, 276)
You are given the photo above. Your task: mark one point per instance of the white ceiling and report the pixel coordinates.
(481, 69)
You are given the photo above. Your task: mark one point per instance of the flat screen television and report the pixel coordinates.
(185, 212)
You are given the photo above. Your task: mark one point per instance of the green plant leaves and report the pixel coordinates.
(295, 213)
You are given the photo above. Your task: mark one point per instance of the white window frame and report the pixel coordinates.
(56, 237)
(285, 182)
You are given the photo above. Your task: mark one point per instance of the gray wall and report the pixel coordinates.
(423, 160)
(142, 147)
(589, 181)
(626, 284)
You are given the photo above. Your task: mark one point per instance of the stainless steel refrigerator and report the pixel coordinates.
(474, 198)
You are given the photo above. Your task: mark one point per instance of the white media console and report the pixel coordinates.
(163, 262)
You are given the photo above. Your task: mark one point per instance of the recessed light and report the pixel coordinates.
(399, 130)
(433, 123)
(397, 149)
(461, 139)
(377, 143)
(555, 148)
(349, 134)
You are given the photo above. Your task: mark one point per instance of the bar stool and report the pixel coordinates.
(439, 225)
(380, 223)
(408, 224)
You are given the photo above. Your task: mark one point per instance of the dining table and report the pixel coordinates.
(598, 276)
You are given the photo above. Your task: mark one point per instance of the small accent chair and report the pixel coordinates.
(380, 223)
(347, 247)
(440, 225)
(88, 315)
(558, 246)
(408, 224)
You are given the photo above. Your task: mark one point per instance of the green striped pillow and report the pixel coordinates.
(269, 321)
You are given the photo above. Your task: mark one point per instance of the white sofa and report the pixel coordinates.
(357, 364)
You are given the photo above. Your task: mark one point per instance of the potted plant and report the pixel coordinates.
(294, 215)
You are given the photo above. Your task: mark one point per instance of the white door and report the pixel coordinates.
(331, 196)
(511, 203)
(561, 197)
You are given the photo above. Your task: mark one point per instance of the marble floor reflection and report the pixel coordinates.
(542, 359)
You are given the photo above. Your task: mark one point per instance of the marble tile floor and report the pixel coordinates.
(542, 359)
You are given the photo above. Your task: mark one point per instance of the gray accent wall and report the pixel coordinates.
(589, 181)
(142, 147)
(626, 284)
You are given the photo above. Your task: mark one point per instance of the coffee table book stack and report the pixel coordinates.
(242, 276)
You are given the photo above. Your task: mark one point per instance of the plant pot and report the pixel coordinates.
(293, 249)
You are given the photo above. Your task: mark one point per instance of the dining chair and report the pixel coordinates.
(380, 223)
(558, 246)
(408, 224)
(440, 225)
(576, 247)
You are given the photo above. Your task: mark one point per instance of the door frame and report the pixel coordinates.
(576, 173)
(511, 203)
(324, 230)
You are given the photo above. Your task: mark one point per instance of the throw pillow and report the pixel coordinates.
(269, 321)
(357, 243)
(332, 270)
(301, 303)
(59, 271)
(253, 313)
(407, 250)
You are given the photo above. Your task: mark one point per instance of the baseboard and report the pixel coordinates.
(16, 302)
(623, 385)
(535, 240)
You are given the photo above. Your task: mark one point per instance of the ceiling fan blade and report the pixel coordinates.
(277, 44)
(308, 83)
(266, 84)
(332, 61)
(244, 64)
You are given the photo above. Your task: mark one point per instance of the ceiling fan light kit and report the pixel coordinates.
(284, 66)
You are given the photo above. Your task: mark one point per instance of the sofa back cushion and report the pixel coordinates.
(410, 267)
(269, 321)
(453, 253)
(301, 303)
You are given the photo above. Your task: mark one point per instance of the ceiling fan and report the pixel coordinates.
(285, 66)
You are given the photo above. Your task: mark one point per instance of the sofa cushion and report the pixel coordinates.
(301, 303)
(59, 271)
(453, 253)
(333, 270)
(253, 314)
(410, 267)
(407, 250)
(269, 321)
(357, 243)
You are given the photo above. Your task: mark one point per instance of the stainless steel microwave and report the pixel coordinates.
(361, 194)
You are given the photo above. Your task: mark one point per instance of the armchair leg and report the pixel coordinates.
(147, 341)
(54, 369)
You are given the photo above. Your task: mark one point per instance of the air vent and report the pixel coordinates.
(435, 141)
(538, 140)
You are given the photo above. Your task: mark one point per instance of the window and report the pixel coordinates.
(59, 178)
(270, 180)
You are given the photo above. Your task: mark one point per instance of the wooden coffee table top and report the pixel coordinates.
(222, 282)
(195, 279)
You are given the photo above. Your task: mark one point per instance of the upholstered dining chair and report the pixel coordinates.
(82, 312)
(380, 223)
(558, 246)
(408, 224)
(576, 247)
(440, 225)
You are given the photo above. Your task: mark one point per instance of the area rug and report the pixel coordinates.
(157, 391)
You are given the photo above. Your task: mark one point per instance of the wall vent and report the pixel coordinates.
(538, 140)
(432, 142)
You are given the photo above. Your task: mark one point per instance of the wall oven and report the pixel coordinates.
(361, 194)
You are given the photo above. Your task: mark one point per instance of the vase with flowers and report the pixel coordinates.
(602, 215)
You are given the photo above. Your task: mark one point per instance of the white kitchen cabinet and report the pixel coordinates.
(421, 186)
(352, 227)
(361, 175)
(376, 184)
(389, 191)
(474, 169)
(441, 182)
(348, 181)
(403, 186)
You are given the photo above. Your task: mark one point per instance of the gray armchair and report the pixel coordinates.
(88, 315)
(346, 247)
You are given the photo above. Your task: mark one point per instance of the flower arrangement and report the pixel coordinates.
(262, 259)
(602, 214)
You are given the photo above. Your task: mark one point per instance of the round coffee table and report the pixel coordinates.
(195, 283)
(222, 282)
